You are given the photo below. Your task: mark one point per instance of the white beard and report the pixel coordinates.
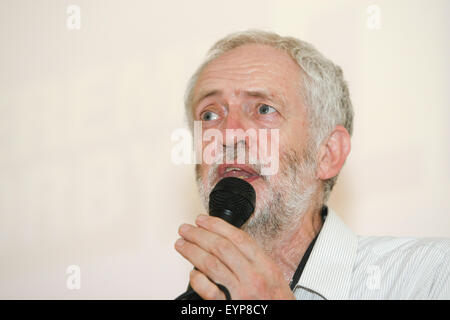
(283, 202)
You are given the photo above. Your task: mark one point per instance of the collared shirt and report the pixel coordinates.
(345, 266)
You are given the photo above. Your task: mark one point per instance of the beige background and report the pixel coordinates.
(86, 117)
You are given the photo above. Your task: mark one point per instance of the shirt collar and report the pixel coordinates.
(329, 268)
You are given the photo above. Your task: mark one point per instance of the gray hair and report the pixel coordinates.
(324, 89)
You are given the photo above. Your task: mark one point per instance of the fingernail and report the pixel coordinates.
(183, 228)
(179, 243)
(201, 218)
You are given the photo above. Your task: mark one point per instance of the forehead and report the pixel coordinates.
(250, 67)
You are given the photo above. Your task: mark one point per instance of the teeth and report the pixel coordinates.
(232, 169)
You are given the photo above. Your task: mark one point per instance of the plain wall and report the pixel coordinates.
(86, 118)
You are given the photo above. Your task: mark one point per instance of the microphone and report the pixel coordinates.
(233, 200)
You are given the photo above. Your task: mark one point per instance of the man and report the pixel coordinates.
(293, 246)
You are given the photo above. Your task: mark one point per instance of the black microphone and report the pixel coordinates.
(233, 200)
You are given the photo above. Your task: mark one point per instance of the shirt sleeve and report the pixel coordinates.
(440, 289)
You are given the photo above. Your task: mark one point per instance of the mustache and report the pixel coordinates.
(289, 160)
(231, 155)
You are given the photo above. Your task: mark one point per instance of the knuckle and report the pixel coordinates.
(194, 280)
(259, 282)
(193, 276)
(211, 264)
(211, 294)
(238, 237)
(223, 247)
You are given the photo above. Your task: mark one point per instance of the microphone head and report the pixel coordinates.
(233, 200)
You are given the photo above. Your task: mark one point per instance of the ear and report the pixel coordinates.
(333, 153)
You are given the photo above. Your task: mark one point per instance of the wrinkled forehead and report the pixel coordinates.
(250, 67)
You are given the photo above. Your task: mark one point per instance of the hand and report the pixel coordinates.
(228, 256)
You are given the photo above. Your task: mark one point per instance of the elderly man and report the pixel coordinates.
(293, 246)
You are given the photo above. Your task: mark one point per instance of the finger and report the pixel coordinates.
(238, 237)
(205, 287)
(218, 246)
(207, 263)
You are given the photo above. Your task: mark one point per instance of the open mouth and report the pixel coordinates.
(239, 171)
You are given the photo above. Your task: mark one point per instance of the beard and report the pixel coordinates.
(282, 200)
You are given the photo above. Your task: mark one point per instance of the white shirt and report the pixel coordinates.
(345, 266)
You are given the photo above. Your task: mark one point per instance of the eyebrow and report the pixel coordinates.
(206, 95)
(260, 93)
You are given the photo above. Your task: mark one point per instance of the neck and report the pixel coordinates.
(288, 250)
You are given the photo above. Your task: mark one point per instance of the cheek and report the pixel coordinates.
(295, 137)
(207, 174)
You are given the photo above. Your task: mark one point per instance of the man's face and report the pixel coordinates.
(257, 87)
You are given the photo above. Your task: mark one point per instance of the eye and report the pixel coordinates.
(209, 115)
(265, 109)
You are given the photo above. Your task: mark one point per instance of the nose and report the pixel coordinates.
(235, 119)
(235, 122)
(240, 133)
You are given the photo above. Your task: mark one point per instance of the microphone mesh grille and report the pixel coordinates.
(235, 195)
